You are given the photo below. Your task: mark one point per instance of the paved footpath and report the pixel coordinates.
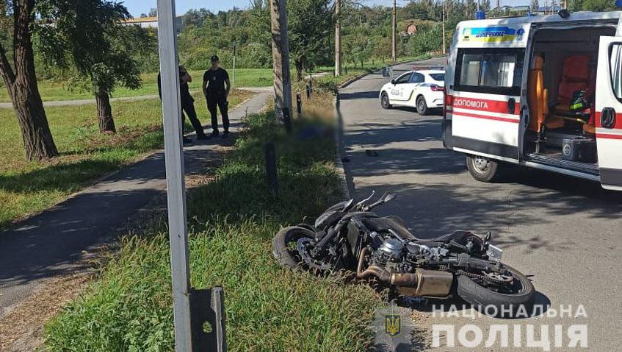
(50, 243)
(565, 233)
(80, 102)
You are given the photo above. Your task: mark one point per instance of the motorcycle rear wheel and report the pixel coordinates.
(282, 249)
(505, 304)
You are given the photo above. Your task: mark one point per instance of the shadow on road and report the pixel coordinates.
(359, 95)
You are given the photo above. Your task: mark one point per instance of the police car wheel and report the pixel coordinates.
(384, 101)
(482, 169)
(422, 106)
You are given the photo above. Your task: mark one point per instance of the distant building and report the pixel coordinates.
(152, 22)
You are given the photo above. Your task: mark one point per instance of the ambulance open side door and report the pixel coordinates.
(609, 112)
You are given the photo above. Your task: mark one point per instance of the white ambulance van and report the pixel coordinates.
(539, 91)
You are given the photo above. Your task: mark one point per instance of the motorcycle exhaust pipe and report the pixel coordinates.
(431, 283)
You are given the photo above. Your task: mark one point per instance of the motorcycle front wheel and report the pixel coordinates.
(497, 299)
(284, 245)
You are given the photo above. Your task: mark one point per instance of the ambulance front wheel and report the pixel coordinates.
(482, 169)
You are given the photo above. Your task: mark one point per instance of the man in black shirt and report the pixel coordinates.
(216, 88)
(187, 103)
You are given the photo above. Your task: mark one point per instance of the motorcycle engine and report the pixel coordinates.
(390, 255)
(392, 249)
(396, 256)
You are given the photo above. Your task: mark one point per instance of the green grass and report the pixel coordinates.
(233, 219)
(52, 90)
(27, 188)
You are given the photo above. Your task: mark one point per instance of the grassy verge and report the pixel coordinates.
(233, 220)
(26, 188)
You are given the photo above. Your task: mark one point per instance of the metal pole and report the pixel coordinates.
(444, 19)
(337, 37)
(394, 31)
(234, 54)
(174, 159)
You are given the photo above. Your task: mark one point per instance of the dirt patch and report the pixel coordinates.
(22, 329)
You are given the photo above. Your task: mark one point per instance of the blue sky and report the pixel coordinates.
(136, 7)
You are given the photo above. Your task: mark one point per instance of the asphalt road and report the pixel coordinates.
(564, 233)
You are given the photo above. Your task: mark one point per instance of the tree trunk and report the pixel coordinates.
(104, 113)
(23, 89)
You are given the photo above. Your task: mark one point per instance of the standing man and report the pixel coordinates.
(216, 88)
(187, 104)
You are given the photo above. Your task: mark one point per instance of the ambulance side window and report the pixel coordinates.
(615, 60)
(493, 71)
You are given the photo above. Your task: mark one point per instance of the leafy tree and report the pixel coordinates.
(310, 28)
(598, 5)
(88, 35)
(18, 76)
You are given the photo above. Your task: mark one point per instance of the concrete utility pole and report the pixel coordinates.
(337, 38)
(280, 56)
(394, 27)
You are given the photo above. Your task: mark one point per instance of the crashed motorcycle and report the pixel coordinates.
(349, 236)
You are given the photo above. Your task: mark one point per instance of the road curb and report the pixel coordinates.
(343, 184)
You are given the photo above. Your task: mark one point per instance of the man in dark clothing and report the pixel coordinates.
(187, 103)
(216, 88)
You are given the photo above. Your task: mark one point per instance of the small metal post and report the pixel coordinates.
(208, 319)
(298, 103)
(271, 168)
(308, 91)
